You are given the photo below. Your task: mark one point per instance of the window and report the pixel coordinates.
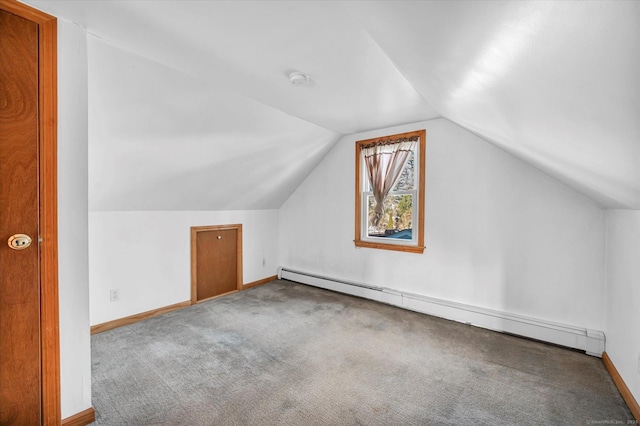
(390, 192)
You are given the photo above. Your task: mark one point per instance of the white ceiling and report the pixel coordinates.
(186, 95)
(160, 141)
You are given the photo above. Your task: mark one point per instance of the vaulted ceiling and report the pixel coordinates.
(191, 108)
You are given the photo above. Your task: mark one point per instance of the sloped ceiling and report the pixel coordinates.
(190, 107)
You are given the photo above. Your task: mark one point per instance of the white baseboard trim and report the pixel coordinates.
(590, 341)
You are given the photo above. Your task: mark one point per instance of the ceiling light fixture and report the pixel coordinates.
(299, 79)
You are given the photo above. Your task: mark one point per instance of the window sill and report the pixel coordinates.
(394, 247)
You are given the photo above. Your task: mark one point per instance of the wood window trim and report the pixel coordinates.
(194, 252)
(419, 248)
(48, 132)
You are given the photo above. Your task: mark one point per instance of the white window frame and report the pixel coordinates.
(368, 192)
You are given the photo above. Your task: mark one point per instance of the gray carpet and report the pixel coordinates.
(289, 354)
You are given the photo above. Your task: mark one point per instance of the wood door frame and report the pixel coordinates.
(194, 255)
(48, 194)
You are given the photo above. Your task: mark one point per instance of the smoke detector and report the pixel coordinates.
(299, 79)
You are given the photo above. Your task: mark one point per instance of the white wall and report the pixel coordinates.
(499, 233)
(75, 343)
(147, 256)
(622, 324)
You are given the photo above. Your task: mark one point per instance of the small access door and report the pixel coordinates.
(216, 261)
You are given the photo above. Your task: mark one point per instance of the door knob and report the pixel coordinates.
(19, 241)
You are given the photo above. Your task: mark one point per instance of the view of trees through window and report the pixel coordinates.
(397, 221)
(392, 167)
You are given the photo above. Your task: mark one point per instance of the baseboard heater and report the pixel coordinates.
(590, 341)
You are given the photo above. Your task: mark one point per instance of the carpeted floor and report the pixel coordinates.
(289, 354)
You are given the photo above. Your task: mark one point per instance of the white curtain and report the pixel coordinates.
(384, 163)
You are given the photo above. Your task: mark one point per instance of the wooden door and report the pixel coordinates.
(216, 258)
(20, 380)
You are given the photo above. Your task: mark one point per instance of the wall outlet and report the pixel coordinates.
(638, 363)
(264, 262)
(114, 294)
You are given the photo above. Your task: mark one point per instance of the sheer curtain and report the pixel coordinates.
(385, 161)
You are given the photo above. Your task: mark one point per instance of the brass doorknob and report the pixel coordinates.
(19, 241)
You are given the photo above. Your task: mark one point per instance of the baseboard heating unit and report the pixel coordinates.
(590, 341)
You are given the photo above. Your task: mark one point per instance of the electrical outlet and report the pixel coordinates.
(264, 262)
(114, 294)
(638, 363)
